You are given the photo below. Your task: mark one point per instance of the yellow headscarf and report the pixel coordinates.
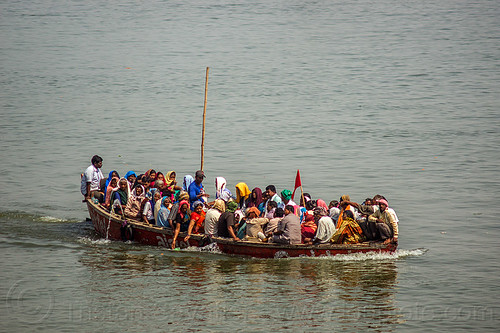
(169, 179)
(242, 190)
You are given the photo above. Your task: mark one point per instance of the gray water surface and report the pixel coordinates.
(393, 97)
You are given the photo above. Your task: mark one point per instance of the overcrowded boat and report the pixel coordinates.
(115, 227)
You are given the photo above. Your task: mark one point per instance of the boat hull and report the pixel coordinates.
(112, 226)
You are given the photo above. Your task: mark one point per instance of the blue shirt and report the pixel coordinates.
(194, 190)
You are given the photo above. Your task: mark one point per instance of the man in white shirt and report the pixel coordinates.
(91, 180)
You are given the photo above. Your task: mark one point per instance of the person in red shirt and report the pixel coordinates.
(197, 220)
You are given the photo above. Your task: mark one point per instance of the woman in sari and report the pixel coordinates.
(111, 175)
(135, 203)
(151, 176)
(182, 220)
(349, 231)
(159, 176)
(171, 185)
(255, 199)
(131, 178)
(148, 211)
(161, 215)
(112, 186)
(242, 194)
(221, 192)
(188, 179)
(196, 220)
(121, 196)
(308, 228)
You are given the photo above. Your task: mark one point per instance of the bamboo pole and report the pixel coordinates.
(302, 195)
(204, 117)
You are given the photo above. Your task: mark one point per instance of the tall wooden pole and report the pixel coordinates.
(204, 117)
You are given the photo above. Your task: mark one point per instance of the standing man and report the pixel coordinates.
(196, 191)
(288, 231)
(91, 180)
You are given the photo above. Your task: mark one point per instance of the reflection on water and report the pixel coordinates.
(222, 291)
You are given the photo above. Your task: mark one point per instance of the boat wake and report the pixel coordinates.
(376, 256)
(90, 241)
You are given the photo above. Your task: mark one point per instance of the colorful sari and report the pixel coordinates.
(348, 233)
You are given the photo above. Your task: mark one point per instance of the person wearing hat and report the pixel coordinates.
(385, 222)
(227, 222)
(286, 197)
(195, 190)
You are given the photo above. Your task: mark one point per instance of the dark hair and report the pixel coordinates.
(96, 159)
(279, 212)
(311, 204)
(334, 203)
(273, 204)
(307, 195)
(290, 208)
(349, 213)
(271, 188)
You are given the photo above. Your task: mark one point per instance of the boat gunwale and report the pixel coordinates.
(375, 246)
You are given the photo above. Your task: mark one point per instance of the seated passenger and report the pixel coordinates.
(272, 225)
(308, 228)
(385, 223)
(163, 212)
(175, 208)
(286, 197)
(334, 210)
(344, 204)
(349, 231)
(151, 177)
(326, 228)
(221, 192)
(288, 231)
(159, 176)
(134, 206)
(255, 198)
(182, 219)
(271, 208)
(131, 177)
(171, 185)
(148, 212)
(375, 203)
(242, 195)
(112, 187)
(120, 196)
(212, 217)
(254, 222)
(227, 222)
(188, 179)
(196, 220)
(273, 196)
(111, 174)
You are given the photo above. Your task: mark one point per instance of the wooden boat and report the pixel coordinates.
(115, 227)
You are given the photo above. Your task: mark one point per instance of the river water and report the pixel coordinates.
(393, 97)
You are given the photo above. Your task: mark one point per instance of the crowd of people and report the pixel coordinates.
(264, 215)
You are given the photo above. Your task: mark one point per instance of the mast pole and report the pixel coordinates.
(204, 117)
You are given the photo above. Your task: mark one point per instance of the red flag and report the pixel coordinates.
(298, 183)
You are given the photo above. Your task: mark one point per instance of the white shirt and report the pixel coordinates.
(326, 229)
(211, 220)
(92, 175)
